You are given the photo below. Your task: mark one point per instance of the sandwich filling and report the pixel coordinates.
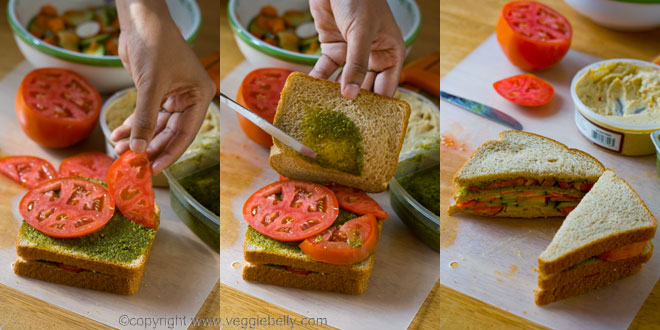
(582, 186)
(492, 202)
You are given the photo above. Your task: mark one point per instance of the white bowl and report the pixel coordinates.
(260, 54)
(105, 73)
(620, 15)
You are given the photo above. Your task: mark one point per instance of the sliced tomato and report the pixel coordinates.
(488, 210)
(69, 268)
(291, 210)
(93, 165)
(357, 201)
(67, 207)
(57, 107)
(345, 244)
(260, 92)
(467, 204)
(532, 35)
(28, 171)
(297, 271)
(624, 252)
(566, 209)
(525, 89)
(129, 182)
(564, 184)
(282, 177)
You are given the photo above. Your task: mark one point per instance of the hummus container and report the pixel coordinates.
(655, 137)
(630, 139)
(424, 224)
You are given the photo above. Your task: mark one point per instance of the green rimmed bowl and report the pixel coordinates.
(260, 54)
(106, 73)
(623, 15)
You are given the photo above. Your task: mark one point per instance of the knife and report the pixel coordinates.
(269, 128)
(482, 110)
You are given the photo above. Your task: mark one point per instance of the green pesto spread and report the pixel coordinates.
(334, 137)
(120, 240)
(204, 186)
(424, 186)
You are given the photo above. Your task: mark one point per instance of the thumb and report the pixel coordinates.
(149, 98)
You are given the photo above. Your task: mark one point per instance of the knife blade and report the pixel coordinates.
(481, 110)
(269, 128)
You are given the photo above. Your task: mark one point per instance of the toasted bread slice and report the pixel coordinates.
(521, 154)
(610, 216)
(313, 281)
(381, 121)
(85, 279)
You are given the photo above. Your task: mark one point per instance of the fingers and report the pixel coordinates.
(368, 82)
(149, 98)
(387, 81)
(324, 67)
(123, 131)
(359, 41)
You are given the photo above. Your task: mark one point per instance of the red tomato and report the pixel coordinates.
(525, 89)
(345, 244)
(69, 268)
(67, 207)
(532, 35)
(93, 165)
(260, 92)
(623, 252)
(357, 201)
(291, 210)
(297, 271)
(57, 108)
(28, 171)
(129, 182)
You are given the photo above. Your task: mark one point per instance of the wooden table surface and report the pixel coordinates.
(464, 25)
(235, 303)
(20, 311)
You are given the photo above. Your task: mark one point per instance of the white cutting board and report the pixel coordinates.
(404, 272)
(165, 293)
(493, 259)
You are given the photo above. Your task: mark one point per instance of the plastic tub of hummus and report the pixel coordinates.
(617, 104)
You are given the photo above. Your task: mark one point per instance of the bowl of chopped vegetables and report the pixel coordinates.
(83, 35)
(281, 33)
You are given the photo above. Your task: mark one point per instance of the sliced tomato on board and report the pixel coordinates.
(93, 165)
(532, 35)
(525, 89)
(129, 182)
(260, 92)
(291, 210)
(357, 201)
(67, 207)
(345, 244)
(28, 171)
(623, 252)
(56, 107)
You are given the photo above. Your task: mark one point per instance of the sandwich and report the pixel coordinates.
(357, 141)
(524, 175)
(605, 238)
(111, 259)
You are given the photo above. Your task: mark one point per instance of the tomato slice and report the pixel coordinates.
(291, 210)
(67, 207)
(623, 252)
(297, 271)
(129, 182)
(260, 92)
(532, 35)
(525, 89)
(345, 244)
(28, 171)
(57, 107)
(357, 201)
(69, 268)
(93, 165)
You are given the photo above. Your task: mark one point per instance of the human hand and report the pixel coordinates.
(362, 36)
(173, 89)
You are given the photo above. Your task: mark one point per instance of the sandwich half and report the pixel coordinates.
(111, 259)
(524, 175)
(605, 238)
(357, 141)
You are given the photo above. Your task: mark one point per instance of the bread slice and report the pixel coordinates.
(314, 281)
(546, 296)
(590, 268)
(381, 121)
(85, 279)
(610, 216)
(521, 154)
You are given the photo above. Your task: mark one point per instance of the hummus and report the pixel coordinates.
(423, 123)
(623, 91)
